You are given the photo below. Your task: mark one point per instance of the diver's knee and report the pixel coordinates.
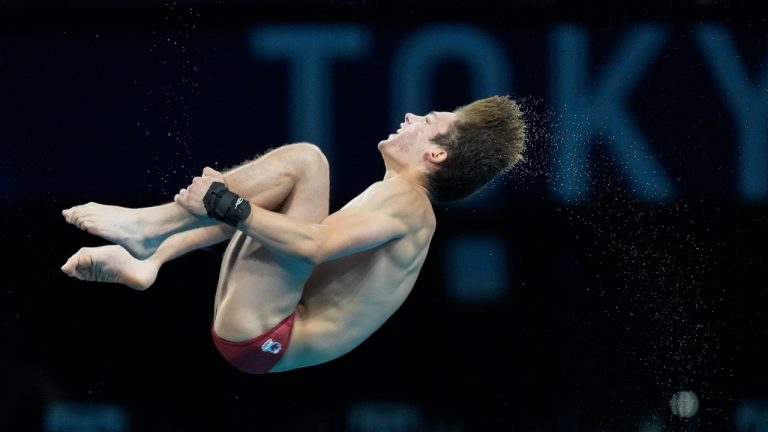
(308, 154)
(308, 161)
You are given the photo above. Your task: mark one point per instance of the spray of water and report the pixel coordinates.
(180, 59)
(657, 259)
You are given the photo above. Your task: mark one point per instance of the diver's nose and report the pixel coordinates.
(409, 117)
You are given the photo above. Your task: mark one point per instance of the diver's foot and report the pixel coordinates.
(111, 264)
(124, 226)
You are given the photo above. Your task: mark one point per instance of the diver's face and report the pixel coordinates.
(416, 133)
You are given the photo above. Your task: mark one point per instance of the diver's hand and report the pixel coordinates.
(210, 172)
(191, 198)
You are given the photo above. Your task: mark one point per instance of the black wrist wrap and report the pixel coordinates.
(224, 205)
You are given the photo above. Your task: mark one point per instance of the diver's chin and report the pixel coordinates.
(386, 141)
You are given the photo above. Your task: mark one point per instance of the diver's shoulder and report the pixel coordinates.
(410, 203)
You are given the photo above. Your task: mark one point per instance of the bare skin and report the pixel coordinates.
(343, 274)
(126, 227)
(113, 223)
(139, 231)
(112, 264)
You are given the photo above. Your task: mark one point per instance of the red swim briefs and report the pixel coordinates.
(260, 354)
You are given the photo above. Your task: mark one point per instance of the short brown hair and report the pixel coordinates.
(487, 138)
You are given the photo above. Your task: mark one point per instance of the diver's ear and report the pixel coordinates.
(436, 155)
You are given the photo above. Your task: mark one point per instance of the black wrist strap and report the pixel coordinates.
(224, 205)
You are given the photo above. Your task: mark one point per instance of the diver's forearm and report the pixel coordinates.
(282, 234)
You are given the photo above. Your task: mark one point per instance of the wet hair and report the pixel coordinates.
(486, 139)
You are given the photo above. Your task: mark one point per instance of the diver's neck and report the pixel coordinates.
(411, 173)
(412, 176)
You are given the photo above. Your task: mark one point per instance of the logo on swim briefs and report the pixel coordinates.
(238, 202)
(271, 346)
